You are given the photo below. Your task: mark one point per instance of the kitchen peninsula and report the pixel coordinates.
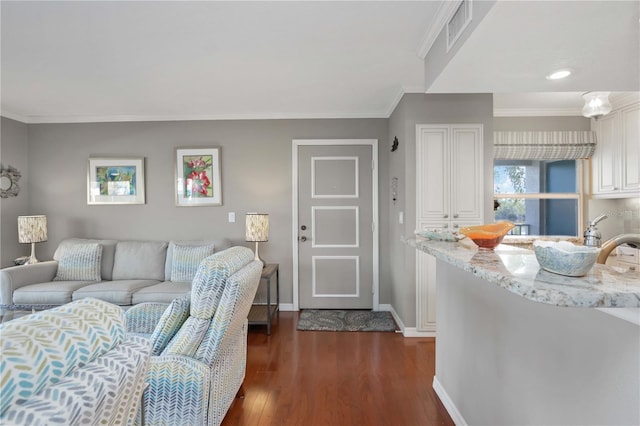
(519, 345)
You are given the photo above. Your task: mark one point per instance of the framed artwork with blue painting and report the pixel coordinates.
(115, 181)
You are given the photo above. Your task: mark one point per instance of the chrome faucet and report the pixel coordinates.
(592, 237)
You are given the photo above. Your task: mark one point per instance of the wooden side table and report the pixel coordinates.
(261, 313)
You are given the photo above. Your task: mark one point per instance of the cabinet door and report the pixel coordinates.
(432, 226)
(466, 172)
(432, 169)
(457, 224)
(605, 167)
(630, 138)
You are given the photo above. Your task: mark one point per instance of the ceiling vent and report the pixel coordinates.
(458, 22)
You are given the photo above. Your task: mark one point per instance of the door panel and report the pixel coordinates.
(335, 257)
(334, 226)
(466, 159)
(433, 153)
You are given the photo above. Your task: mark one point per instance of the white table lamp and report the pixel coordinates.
(32, 229)
(257, 229)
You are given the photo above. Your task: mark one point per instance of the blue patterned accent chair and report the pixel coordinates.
(71, 365)
(199, 342)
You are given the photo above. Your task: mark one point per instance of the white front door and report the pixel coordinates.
(335, 226)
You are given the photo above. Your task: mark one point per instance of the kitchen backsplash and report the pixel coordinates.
(624, 216)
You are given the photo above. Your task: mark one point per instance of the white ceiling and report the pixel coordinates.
(112, 61)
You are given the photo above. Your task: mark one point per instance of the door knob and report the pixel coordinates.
(303, 227)
(303, 239)
(455, 215)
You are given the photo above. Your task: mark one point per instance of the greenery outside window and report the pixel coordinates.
(542, 197)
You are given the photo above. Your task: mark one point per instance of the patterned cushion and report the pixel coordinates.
(42, 348)
(208, 284)
(80, 262)
(207, 290)
(186, 260)
(169, 324)
(105, 391)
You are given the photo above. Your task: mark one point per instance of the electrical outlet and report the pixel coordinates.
(232, 217)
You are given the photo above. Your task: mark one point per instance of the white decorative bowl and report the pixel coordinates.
(565, 258)
(439, 235)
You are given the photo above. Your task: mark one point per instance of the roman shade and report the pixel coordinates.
(539, 145)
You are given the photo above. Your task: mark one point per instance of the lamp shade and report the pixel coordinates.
(257, 227)
(32, 229)
(596, 104)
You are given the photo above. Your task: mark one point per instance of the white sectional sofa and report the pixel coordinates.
(124, 273)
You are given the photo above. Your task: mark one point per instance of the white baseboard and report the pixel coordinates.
(406, 331)
(413, 332)
(448, 403)
(385, 307)
(286, 307)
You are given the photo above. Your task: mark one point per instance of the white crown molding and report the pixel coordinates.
(401, 92)
(537, 112)
(50, 119)
(620, 100)
(13, 116)
(442, 16)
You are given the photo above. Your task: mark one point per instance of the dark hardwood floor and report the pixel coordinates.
(337, 378)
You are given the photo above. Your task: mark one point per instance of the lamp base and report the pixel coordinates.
(264, 264)
(32, 258)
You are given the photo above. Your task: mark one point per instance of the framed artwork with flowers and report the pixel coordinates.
(198, 177)
(115, 181)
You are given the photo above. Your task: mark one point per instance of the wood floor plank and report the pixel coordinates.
(337, 378)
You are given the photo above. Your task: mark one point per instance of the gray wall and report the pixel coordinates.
(256, 176)
(14, 151)
(416, 109)
(437, 58)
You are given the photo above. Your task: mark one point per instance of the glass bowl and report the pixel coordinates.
(487, 236)
(565, 258)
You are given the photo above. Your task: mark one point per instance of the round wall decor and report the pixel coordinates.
(9, 177)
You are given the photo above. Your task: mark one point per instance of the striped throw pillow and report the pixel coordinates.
(186, 259)
(80, 262)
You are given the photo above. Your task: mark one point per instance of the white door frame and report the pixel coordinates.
(374, 200)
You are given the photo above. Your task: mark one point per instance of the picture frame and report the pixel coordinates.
(115, 181)
(198, 177)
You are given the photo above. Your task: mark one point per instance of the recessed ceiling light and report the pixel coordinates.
(557, 75)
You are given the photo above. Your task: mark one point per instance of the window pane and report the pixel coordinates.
(539, 217)
(532, 176)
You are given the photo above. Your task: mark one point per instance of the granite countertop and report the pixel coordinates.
(517, 270)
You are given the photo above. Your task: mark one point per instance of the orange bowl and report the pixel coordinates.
(487, 236)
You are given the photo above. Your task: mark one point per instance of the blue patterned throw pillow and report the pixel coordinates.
(80, 262)
(186, 259)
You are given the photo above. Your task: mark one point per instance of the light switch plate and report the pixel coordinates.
(232, 217)
(401, 218)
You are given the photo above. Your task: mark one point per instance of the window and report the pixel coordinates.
(542, 197)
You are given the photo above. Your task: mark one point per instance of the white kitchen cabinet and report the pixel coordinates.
(616, 161)
(630, 140)
(449, 174)
(449, 194)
